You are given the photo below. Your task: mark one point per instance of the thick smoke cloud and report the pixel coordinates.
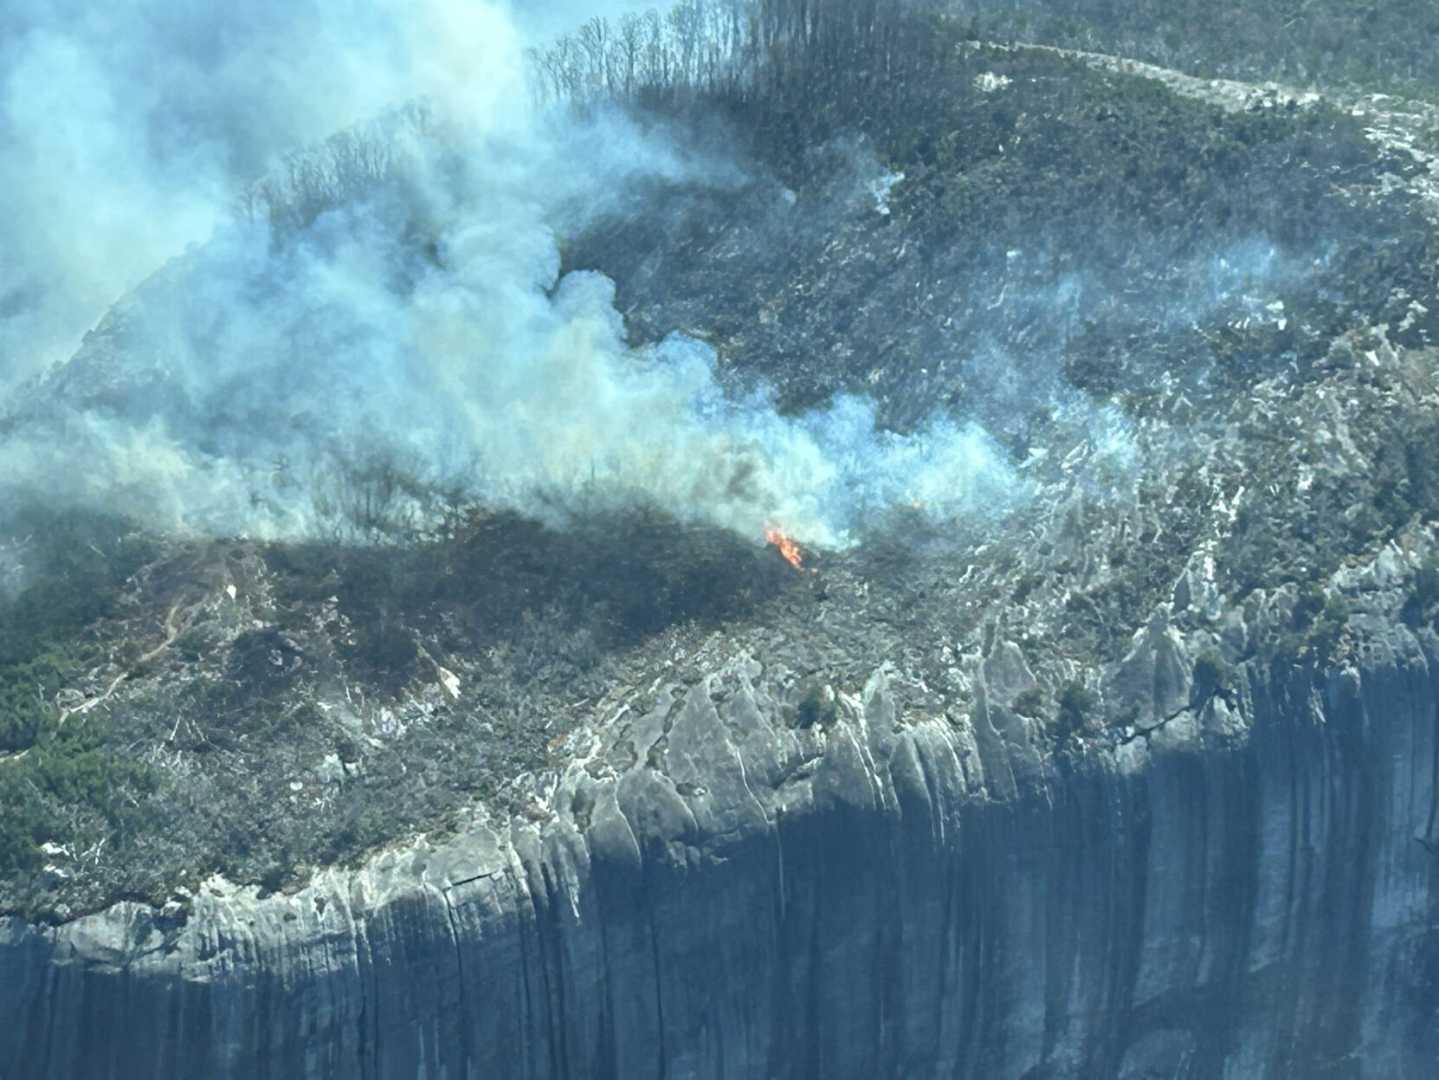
(425, 318)
(126, 128)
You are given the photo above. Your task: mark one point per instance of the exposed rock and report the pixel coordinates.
(1256, 896)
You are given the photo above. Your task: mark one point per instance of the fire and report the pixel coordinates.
(787, 547)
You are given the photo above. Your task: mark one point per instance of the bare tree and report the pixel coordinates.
(343, 168)
(630, 43)
(834, 55)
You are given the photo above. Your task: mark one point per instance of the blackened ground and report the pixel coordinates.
(1057, 229)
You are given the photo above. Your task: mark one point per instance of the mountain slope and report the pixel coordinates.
(1136, 779)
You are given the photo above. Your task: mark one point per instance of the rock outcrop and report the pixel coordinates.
(712, 890)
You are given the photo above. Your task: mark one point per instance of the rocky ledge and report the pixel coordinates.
(725, 884)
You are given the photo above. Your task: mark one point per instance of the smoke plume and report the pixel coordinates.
(394, 290)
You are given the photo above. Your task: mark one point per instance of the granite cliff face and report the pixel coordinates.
(709, 890)
(1145, 784)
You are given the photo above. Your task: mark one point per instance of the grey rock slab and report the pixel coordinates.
(758, 901)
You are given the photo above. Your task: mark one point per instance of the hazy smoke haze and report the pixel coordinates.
(127, 128)
(424, 317)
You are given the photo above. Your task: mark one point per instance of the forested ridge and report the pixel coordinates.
(751, 49)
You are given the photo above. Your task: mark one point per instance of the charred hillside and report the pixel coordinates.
(1093, 735)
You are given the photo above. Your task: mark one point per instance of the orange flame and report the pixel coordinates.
(787, 547)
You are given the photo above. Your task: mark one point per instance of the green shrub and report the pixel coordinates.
(817, 705)
(1076, 703)
(72, 788)
(263, 662)
(1309, 605)
(75, 571)
(23, 825)
(27, 690)
(63, 783)
(386, 652)
(1212, 675)
(77, 563)
(1328, 629)
(1317, 627)
(1423, 594)
(1030, 703)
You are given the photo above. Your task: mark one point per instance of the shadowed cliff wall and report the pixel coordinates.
(729, 908)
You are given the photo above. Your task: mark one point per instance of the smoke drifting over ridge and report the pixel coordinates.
(129, 126)
(426, 317)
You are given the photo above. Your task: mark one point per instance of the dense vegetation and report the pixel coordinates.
(154, 723)
(65, 781)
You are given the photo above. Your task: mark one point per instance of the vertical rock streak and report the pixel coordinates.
(749, 900)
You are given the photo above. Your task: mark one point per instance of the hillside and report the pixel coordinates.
(1094, 734)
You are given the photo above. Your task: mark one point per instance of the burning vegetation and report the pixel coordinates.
(786, 546)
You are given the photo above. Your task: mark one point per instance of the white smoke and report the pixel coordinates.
(428, 318)
(127, 127)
